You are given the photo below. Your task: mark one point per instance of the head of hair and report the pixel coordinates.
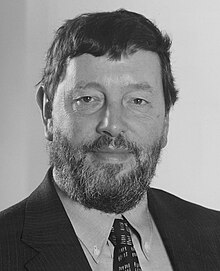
(112, 34)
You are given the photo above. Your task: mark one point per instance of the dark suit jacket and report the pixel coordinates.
(36, 233)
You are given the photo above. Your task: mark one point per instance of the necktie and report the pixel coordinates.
(125, 257)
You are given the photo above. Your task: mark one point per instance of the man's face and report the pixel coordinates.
(109, 126)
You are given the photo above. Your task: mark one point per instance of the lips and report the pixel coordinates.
(112, 150)
(112, 154)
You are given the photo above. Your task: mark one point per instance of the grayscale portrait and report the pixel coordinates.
(110, 135)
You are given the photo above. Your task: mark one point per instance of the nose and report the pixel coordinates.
(111, 122)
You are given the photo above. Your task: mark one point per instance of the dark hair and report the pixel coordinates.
(113, 34)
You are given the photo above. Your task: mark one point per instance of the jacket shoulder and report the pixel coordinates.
(11, 220)
(186, 210)
(13, 252)
(190, 232)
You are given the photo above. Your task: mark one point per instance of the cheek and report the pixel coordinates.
(77, 130)
(148, 130)
(61, 121)
(64, 120)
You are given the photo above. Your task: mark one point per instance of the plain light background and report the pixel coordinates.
(190, 164)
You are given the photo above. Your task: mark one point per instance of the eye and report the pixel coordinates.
(87, 104)
(85, 99)
(140, 101)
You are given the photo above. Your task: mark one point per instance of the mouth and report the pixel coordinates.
(111, 155)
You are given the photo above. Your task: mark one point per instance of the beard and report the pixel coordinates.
(108, 187)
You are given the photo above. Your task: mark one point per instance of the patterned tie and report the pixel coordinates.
(125, 257)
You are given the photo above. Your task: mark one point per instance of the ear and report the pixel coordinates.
(46, 111)
(165, 130)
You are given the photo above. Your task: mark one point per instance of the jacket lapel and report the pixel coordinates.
(181, 237)
(48, 230)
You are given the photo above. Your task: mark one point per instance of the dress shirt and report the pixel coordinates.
(93, 227)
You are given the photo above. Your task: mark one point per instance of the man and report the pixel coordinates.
(105, 97)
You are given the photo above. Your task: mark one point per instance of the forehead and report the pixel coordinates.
(142, 66)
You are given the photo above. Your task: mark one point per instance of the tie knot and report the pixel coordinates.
(120, 233)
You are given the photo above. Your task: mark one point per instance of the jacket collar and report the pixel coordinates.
(48, 230)
(184, 229)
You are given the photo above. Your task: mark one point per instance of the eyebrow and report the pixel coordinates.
(140, 86)
(82, 85)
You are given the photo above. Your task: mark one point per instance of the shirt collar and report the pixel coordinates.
(93, 227)
(140, 219)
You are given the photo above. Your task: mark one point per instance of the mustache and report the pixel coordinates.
(119, 142)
